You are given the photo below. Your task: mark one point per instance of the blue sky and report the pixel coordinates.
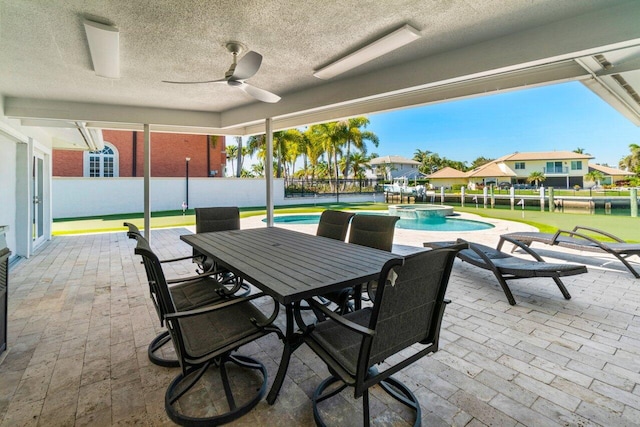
(557, 117)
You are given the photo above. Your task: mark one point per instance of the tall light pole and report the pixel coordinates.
(187, 177)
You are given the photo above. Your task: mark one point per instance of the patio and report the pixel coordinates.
(80, 321)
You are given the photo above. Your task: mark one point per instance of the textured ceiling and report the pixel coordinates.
(44, 53)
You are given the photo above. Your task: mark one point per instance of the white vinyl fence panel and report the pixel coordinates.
(76, 197)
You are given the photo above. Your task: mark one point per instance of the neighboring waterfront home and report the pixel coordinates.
(561, 169)
(448, 177)
(611, 175)
(390, 167)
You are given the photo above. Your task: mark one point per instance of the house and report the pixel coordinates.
(561, 169)
(122, 155)
(448, 177)
(611, 175)
(391, 167)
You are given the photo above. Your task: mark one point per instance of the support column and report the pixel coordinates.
(633, 196)
(542, 198)
(512, 197)
(552, 205)
(268, 171)
(147, 182)
(485, 192)
(462, 191)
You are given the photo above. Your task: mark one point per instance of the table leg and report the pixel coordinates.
(291, 343)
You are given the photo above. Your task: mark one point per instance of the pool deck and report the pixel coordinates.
(80, 320)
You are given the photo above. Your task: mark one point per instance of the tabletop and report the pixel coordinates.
(289, 265)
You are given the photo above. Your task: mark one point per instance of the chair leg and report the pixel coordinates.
(391, 386)
(563, 289)
(402, 394)
(319, 397)
(155, 345)
(184, 382)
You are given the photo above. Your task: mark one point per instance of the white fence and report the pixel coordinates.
(77, 197)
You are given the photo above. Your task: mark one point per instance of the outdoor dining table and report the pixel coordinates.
(291, 267)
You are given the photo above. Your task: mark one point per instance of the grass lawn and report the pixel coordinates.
(627, 228)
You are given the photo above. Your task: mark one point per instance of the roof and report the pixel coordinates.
(610, 171)
(448, 172)
(465, 49)
(491, 170)
(396, 160)
(545, 155)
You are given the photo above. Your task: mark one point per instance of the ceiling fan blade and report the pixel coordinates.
(193, 83)
(259, 94)
(247, 66)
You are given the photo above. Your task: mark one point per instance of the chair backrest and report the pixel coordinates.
(133, 229)
(159, 290)
(143, 247)
(375, 231)
(217, 219)
(334, 224)
(408, 309)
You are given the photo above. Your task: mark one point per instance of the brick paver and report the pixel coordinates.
(80, 320)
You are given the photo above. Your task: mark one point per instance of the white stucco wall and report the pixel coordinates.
(75, 197)
(8, 188)
(78, 197)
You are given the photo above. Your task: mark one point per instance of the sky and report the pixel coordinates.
(559, 117)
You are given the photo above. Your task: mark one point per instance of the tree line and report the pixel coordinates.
(339, 149)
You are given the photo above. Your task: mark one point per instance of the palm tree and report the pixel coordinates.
(232, 153)
(357, 137)
(631, 162)
(282, 140)
(579, 150)
(359, 163)
(594, 176)
(536, 177)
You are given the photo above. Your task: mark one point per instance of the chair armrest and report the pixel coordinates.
(214, 307)
(197, 277)
(595, 230)
(341, 320)
(524, 247)
(596, 242)
(180, 258)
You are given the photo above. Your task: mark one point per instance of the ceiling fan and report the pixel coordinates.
(240, 71)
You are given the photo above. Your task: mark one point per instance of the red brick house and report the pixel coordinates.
(123, 156)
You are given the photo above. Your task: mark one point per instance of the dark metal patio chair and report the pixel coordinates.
(334, 224)
(207, 337)
(405, 318)
(187, 293)
(219, 218)
(374, 231)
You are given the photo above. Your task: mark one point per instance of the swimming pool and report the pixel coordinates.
(425, 224)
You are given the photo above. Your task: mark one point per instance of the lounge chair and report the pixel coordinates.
(508, 267)
(577, 239)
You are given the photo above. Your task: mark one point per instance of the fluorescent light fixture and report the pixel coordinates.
(104, 45)
(92, 137)
(398, 38)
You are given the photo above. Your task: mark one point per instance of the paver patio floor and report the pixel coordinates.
(80, 320)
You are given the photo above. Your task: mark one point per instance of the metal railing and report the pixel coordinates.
(317, 187)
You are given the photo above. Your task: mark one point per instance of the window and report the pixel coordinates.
(576, 165)
(554, 167)
(519, 165)
(101, 164)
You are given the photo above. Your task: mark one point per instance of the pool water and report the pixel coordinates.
(425, 224)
